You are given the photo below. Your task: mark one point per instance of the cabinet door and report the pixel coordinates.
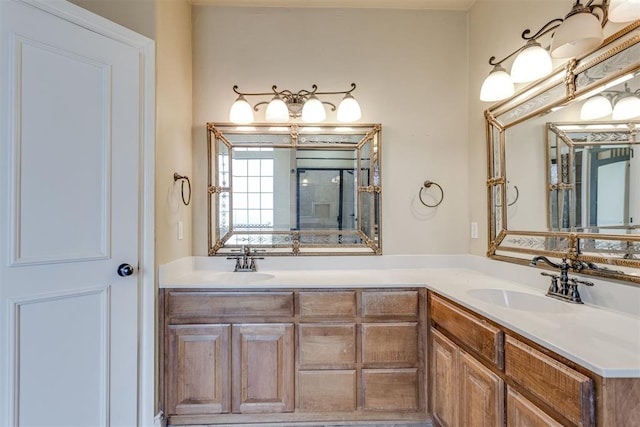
(481, 394)
(263, 368)
(521, 412)
(198, 369)
(444, 379)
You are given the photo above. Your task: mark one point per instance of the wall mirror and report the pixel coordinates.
(294, 189)
(564, 181)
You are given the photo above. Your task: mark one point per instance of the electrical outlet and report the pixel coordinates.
(474, 230)
(180, 230)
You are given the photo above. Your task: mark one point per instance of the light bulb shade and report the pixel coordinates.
(313, 110)
(241, 112)
(497, 86)
(349, 109)
(277, 111)
(595, 107)
(626, 108)
(577, 35)
(532, 63)
(624, 10)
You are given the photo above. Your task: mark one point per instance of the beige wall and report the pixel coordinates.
(173, 128)
(411, 72)
(137, 15)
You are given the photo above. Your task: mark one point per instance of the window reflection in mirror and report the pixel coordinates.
(294, 189)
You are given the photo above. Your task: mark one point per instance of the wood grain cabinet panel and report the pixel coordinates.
(326, 346)
(393, 344)
(327, 391)
(481, 394)
(443, 379)
(390, 303)
(334, 304)
(562, 388)
(484, 339)
(262, 380)
(199, 379)
(521, 412)
(202, 305)
(390, 389)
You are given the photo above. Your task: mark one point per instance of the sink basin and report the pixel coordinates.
(519, 300)
(238, 277)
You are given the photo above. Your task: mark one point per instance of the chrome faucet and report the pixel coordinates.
(562, 286)
(245, 262)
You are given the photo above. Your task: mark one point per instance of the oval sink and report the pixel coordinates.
(238, 277)
(519, 300)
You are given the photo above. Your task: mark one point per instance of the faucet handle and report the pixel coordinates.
(581, 282)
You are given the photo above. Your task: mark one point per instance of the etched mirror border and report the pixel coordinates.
(619, 55)
(224, 240)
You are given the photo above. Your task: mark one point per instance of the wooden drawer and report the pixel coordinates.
(568, 391)
(327, 346)
(327, 304)
(390, 344)
(327, 391)
(483, 339)
(390, 389)
(390, 303)
(205, 305)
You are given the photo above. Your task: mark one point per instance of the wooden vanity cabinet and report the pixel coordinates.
(294, 355)
(476, 365)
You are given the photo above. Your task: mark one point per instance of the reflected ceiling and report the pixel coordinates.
(381, 4)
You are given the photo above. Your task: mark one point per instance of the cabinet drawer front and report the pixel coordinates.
(484, 339)
(521, 412)
(328, 304)
(390, 389)
(229, 304)
(562, 388)
(327, 346)
(390, 303)
(390, 344)
(327, 391)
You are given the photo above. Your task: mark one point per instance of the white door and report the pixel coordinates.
(72, 132)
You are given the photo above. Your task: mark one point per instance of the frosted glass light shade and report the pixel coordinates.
(595, 107)
(349, 109)
(277, 111)
(241, 112)
(624, 10)
(578, 34)
(626, 108)
(313, 110)
(497, 86)
(532, 63)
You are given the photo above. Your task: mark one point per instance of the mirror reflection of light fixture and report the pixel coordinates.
(578, 33)
(622, 105)
(286, 104)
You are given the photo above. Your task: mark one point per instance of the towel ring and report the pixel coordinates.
(177, 177)
(427, 184)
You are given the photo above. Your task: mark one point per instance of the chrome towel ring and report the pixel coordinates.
(428, 184)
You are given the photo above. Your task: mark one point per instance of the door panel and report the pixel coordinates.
(71, 132)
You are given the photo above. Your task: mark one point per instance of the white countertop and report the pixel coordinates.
(605, 341)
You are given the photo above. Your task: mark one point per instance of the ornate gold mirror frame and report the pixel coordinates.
(290, 189)
(595, 251)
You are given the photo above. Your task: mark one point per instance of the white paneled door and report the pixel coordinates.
(74, 121)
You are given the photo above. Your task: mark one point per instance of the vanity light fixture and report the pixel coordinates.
(578, 33)
(286, 104)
